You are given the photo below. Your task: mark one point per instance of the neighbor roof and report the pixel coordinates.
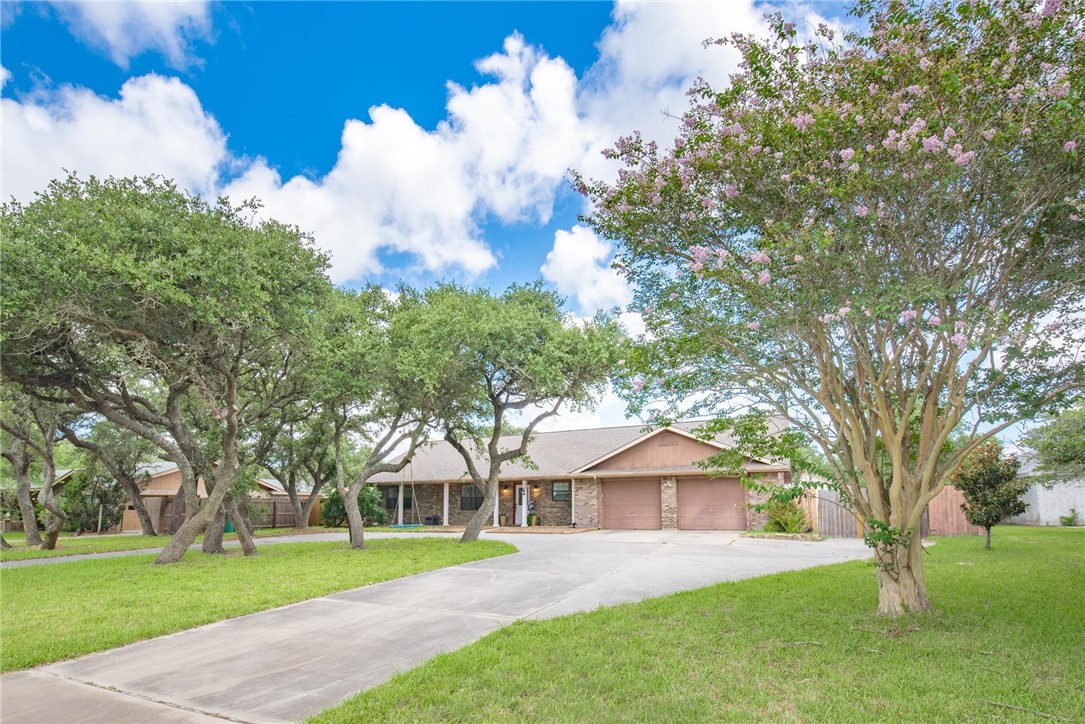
(560, 453)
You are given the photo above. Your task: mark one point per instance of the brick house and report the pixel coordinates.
(613, 477)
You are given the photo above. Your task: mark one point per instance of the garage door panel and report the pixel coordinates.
(711, 504)
(632, 504)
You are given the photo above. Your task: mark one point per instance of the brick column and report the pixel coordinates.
(669, 493)
(587, 503)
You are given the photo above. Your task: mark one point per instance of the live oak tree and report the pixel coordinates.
(878, 238)
(135, 301)
(29, 432)
(517, 352)
(990, 487)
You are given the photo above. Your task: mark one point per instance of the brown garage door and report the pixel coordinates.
(632, 504)
(711, 504)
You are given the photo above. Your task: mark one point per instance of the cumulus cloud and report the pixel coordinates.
(579, 266)
(502, 151)
(156, 125)
(5, 76)
(123, 30)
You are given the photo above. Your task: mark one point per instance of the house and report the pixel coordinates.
(612, 477)
(162, 480)
(1047, 504)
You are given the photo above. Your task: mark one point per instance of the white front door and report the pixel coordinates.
(522, 498)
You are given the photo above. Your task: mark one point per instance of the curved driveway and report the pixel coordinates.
(289, 663)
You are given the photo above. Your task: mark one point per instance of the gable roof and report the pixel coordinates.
(561, 453)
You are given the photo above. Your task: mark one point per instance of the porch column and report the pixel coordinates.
(399, 505)
(444, 514)
(572, 500)
(521, 510)
(497, 508)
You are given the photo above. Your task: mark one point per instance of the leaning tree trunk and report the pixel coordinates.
(902, 588)
(30, 519)
(484, 514)
(52, 531)
(131, 489)
(354, 516)
(175, 512)
(196, 524)
(4, 545)
(301, 515)
(241, 525)
(216, 529)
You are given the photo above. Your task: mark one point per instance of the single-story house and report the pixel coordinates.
(1047, 504)
(163, 479)
(614, 477)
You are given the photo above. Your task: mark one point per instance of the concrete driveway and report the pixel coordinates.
(291, 662)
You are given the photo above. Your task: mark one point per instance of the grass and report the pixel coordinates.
(49, 613)
(794, 646)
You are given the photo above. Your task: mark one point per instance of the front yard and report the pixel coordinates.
(1007, 642)
(49, 613)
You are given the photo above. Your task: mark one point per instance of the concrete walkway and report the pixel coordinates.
(292, 662)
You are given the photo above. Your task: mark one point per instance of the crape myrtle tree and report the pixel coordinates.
(158, 311)
(877, 237)
(514, 353)
(1059, 445)
(991, 488)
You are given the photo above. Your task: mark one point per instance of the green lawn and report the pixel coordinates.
(48, 613)
(1009, 631)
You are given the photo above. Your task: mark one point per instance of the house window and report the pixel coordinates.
(470, 497)
(391, 497)
(563, 491)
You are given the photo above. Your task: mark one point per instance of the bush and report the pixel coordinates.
(334, 515)
(786, 518)
(1069, 520)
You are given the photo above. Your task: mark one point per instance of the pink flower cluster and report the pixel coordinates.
(803, 121)
(760, 257)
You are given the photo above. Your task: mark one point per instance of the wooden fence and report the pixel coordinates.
(942, 517)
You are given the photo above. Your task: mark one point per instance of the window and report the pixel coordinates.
(470, 497)
(563, 491)
(391, 497)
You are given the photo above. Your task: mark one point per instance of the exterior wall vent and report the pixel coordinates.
(667, 439)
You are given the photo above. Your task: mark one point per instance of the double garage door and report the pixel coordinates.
(703, 504)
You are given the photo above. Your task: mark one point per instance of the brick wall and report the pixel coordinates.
(669, 493)
(586, 493)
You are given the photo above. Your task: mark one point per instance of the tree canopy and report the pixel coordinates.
(1059, 444)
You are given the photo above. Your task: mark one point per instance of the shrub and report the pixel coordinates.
(786, 518)
(334, 515)
(1071, 519)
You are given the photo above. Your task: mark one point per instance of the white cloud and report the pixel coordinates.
(157, 125)
(503, 150)
(5, 76)
(125, 29)
(579, 266)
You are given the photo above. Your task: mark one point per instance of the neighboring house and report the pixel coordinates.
(163, 480)
(612, 477)
(1047, 505)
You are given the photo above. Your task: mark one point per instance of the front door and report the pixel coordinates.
(520, 506)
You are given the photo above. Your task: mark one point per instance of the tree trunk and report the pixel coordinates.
(175, 512)
(987, 543)
(216, 528)
(301, 517)
(131, 488)
(52, 531)
(905, 590)
(248, 546)
(4, 545)
(196, 524)
(483, 515)
(354, 516)
(30, 519)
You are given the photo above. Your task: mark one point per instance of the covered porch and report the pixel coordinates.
(547, 503)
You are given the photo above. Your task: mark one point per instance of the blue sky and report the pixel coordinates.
(417, 141)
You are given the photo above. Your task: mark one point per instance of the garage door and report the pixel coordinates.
(632, 504)
(711, 504)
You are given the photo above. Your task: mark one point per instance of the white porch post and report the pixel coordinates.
(497, 507)
(444, 514)
(522, 503)
(572, 499)
(399, 505)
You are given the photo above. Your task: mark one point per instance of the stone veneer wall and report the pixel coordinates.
(429, 500)
(669, 496)
(586, 493)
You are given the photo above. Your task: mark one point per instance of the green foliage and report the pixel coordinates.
(786, 517)
(85, 494)
(890, 544)
(990, 486)
(1070, 520)
(1060, 447)
(334, 515)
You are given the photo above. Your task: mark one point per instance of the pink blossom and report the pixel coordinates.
(908, 315)
(843, 312)
(925, 63)
(760, 257)
(803, 121)
(989, 133)
(948, 134)
(657, 200)
(933, 144)
(965, 158)
(799, 258)
(914, 90)
(853, 168)
(764, 278)
(730, 191)
(785, 177)
(638, 385)
(935, 320)
(673, 296)
(754, 326)
(859, 120)
(825, 319)
(648, 311)
(869, 147)
(847, 154)
(696, 267)
(861, 211)
(708, 203)
(1069, 146)
(661, 380)
(959, 340)
(958, 326)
